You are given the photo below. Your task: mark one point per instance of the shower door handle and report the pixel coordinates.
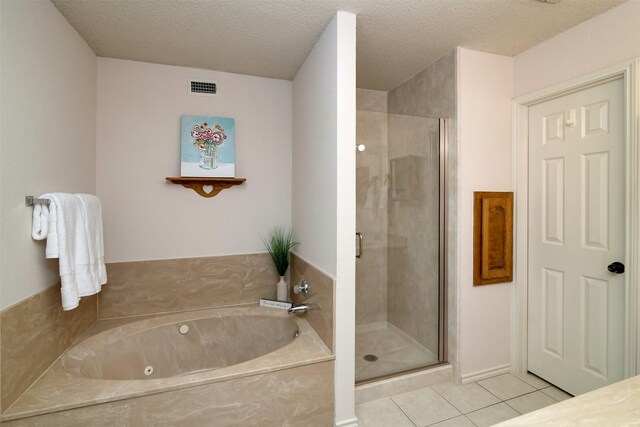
(359, 252)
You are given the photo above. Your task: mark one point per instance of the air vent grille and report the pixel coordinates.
(202, 87)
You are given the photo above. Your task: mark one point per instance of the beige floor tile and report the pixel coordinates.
(466, 398)
(534, 381)
(460, 421)
(530, 402)
(381, 413)
(425, 406)
(506, 386)
(492, 415)
(556, 393)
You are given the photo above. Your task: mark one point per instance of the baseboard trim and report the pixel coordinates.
(352, 422)
(484, 374)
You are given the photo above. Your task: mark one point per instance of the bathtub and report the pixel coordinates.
(228, 366)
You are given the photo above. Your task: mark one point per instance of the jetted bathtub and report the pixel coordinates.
(228, 366)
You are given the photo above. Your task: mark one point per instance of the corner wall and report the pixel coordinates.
(147, 218)
(485, 89)
(48, 134)
(602, 41)
(48, 86)
(323, 183)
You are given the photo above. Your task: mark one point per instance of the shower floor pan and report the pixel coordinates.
(382, 349)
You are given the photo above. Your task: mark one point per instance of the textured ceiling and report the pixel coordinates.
(271, 38)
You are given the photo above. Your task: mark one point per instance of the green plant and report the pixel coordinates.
(279, 246)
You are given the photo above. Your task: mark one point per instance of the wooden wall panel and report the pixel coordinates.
(492, 237)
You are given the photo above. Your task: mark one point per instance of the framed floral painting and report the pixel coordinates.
(207, 147)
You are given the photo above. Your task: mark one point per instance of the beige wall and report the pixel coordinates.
(48, 87)
(602, 41)
(485, 89)
(139, 109)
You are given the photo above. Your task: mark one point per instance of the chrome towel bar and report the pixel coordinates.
(30, 201)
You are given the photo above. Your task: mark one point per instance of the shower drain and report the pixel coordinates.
(370, 357)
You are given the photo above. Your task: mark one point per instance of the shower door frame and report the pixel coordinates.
(442, 255)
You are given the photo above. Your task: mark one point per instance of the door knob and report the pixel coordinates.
(616, 267)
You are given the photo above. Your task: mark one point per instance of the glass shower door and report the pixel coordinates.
(399, 288)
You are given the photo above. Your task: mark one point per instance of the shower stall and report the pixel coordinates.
(400, 286)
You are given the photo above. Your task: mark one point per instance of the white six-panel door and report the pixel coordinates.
(576, 230)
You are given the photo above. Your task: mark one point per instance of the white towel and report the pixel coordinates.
(78, 222)
(52, 237)
(93, 224)
(40, 224)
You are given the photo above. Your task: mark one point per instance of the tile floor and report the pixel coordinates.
(395, 351)
(483, 403)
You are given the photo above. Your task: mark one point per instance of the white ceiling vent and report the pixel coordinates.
(202, 87)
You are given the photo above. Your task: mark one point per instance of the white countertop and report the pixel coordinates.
(615, 405)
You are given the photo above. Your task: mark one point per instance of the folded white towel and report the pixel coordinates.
(40, 224)
(78, 222)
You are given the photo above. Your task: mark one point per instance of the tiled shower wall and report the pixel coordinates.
(412, 280)
(372, 182)
(430, 93)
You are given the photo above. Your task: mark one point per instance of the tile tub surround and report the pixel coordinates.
(321, 298)
(165, 286)
(61, 390)
(300, 396)
(34, 332)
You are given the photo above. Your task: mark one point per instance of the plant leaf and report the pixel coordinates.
(279, 246)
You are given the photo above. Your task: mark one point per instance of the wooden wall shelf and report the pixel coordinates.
(206, 187)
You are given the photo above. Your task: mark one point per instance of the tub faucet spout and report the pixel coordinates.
(298, 309)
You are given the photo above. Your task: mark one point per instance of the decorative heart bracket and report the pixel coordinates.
(206, 187)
